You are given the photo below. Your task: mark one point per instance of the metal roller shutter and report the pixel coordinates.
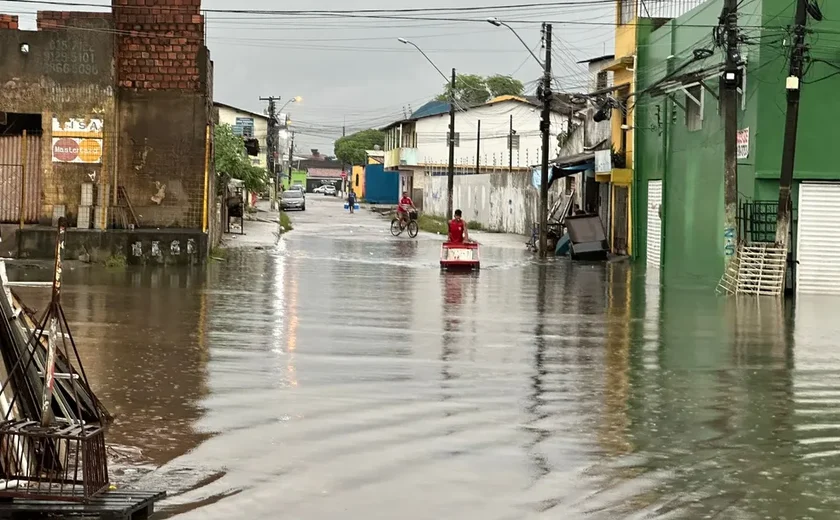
(654, 224)
(818, 239)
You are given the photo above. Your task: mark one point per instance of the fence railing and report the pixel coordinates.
(656, 8)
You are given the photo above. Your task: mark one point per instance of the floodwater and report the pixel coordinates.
(342, 375)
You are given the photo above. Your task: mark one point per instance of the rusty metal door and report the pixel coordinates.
(14, 178)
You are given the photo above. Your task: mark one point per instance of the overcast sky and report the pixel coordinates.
(355, 70)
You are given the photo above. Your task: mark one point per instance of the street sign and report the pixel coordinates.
(343, 175)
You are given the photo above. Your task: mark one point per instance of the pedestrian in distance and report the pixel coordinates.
(351, 200)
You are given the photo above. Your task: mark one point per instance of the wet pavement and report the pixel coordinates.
(340, 374)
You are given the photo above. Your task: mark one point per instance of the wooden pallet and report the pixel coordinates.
(110, 505)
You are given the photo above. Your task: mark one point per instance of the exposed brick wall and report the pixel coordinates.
(57, 20)
(160, 44)
(8, 21)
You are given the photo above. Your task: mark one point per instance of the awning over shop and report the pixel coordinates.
(571, 164)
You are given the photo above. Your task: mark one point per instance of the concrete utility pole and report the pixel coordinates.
(731, 80)
(291, 157)
(478, 149)
(450, 177)
(510, 146)
(450, 174)
(271, 140)
(545, 127)
(793, 84)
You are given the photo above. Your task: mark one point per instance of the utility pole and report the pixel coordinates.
(731, 80)
(345, 188)
(478, 149)
(510, 146)
(793, 84)
(545, 127)
(271, 139)
(291, 157)
(450, 175)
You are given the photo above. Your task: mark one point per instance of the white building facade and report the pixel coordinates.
(246, 124)
(497, 147)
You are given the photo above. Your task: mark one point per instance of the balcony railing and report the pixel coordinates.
(630, 9)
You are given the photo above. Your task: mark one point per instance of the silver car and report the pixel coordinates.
(293, 199)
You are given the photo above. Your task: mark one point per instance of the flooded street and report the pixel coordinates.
(341, 374)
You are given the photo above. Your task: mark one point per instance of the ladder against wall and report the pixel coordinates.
(757, 269)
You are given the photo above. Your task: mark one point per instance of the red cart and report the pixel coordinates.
(463, 255)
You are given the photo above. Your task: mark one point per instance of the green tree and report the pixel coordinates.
(499, 85)
(351, 149)
(472, 89)
(232, 159)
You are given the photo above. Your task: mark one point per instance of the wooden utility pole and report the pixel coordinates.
(730, 81)
(793, 85)
(545, 127)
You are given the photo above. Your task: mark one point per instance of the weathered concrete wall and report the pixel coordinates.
(160, 247)
(161, 157)
(501, 201)
(66, 75)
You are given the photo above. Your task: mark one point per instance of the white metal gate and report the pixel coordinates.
(654, 224)
(818, 239)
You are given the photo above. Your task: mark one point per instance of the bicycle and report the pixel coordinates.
(533, 243)
(398, 226)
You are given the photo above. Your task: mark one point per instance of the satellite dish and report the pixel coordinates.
(377, 147)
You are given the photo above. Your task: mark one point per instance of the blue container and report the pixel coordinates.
(347, 206)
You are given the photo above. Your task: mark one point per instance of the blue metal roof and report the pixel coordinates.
(432, 108)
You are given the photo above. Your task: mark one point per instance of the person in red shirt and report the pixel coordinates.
(458, 233)
(405, 205)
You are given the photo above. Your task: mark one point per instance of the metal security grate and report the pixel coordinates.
(757, 221)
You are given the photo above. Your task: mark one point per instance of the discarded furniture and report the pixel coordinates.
(235, 204)
(588, 239)
(52, 430)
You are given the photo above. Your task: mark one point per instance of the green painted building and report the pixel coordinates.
(679, 211)
(298, 177)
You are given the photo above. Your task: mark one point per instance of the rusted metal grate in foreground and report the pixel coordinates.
(56, 462)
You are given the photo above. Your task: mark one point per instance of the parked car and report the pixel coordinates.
(329, 189)
(319, 189)
(293, 199)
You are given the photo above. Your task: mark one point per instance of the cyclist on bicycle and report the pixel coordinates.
(405, 205)
(458, 233)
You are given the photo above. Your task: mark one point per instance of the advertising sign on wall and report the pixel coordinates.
(77, 140)
(743, 143)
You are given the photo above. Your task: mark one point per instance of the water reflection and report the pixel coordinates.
(142, 337)
(353, 377)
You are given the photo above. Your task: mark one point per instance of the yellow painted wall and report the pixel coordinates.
(625, 47)
(358, 181)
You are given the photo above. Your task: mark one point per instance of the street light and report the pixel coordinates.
(450, 174)
(296, 99)
(545, 125)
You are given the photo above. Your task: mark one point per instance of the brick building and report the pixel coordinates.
(121, 100)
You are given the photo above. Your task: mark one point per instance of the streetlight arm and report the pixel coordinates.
(499, 23)
(427, 58)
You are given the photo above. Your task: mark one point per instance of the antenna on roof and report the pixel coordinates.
(405, 115)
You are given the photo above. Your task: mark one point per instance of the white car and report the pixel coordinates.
(319, 189)
(329, 189)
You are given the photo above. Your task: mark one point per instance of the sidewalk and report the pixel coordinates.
(262, 229)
